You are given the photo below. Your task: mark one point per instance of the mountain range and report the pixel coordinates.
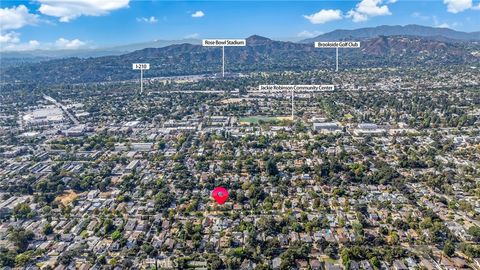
(443, 34)
(435, 33)
(42, 55)
(260, 54)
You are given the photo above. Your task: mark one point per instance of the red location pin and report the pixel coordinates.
(220, 194)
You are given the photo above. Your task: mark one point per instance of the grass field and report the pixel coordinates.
(256, 119)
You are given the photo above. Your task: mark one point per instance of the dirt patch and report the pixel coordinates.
(67, 197)
(231, 100)
(284, 118)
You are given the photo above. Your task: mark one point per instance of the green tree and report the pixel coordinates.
(23, 259)
(23, 211)
(375, 262)
(21, 238)
(271, 167)
(448, 248)
(47, 229)
(163, 200)
(345, 256)
(474, 231)
(108, 226)
(7, 257)
(116, 235)
(215, 262)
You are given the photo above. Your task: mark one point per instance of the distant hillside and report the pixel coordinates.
(260, 54)
(36, 55)
(397, 30)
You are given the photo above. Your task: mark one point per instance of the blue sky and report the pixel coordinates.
(73, 24)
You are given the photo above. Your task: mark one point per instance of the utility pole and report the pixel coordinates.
(273, 88)
(336, 45)
(336, 67)
(293, 111)
(222, 43)
(141, 67)
(141, 81)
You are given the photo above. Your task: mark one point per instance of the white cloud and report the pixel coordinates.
(308, 34)
(369, 8)
(194, 35)
(420, 16)
(456, 6)
(357, 16)
(68, 10)
(152, 19)
(34, 43)
(443, 25)
(372, 8)
(10, 37)
(438, 23)
(10, 41)
(324, 15)
(198, 14)
(28, 46)
(16, 17)
(66, 44)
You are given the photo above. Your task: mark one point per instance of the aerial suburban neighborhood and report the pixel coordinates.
(362, 177)
(233, 134)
